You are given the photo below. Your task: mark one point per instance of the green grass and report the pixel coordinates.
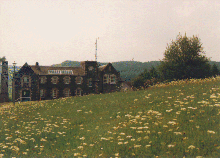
(174, 120)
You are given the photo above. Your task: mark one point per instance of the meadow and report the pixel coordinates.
(176, 119)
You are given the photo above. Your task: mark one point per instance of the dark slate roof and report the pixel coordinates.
(43, 70)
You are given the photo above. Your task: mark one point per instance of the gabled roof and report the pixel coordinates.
(102, 68)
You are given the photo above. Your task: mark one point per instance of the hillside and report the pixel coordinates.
(128, 69)
(179, 119)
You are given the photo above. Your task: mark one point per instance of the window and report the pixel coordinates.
(66, 92)
(105, 78)
(109, 79)
(66, 80)
(55, 93)
(90, 68)
(112, 79)
(90, 82)
(43, 80)
(42, 93)
(26, 79)
(54, 79)
(79, 80)
(79, 91)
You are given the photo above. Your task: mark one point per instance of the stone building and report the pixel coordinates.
(35, 82)
(4, 82)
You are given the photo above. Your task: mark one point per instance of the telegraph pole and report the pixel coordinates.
(13, 84)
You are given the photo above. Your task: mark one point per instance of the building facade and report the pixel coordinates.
(35, 82)
(4, 82)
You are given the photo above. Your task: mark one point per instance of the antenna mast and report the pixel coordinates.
(96, 50)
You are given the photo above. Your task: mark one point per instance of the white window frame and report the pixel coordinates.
(105, 79)
(90, 68)
(43, 79)
(78, 92)
(65, 79)
(55, 93)
(42, 93)
(112, 81)
(53, 79)
(79, 80)
(66, 92)
(90, 82)
(27, 79)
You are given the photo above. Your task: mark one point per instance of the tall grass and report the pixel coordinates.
(169, 120)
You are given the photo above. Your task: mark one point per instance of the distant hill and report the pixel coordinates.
(128, 69)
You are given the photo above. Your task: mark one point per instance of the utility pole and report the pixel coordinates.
(13, 84)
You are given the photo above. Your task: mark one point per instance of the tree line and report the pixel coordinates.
(184, 58)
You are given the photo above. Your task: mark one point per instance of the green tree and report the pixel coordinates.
(145, 75)
(153, 73)
(215, 70)
(2, 59)
(138, 82)
(184, 58)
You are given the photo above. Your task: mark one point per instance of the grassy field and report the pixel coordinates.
(178, 119)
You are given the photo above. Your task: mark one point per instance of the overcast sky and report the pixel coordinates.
(52, 31)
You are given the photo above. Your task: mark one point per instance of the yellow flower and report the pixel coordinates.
(170, 145)
(25, 153)
(76, 154)
(43, 140)
(212, 132)
(137, 146)
(83, 138)
(147, 145)
(191, 147)
(119, 143)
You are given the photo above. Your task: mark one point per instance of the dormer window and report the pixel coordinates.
(54, 79)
